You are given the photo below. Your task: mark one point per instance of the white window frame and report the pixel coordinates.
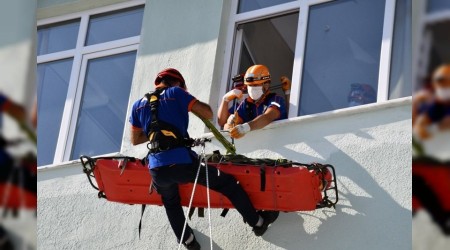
(302, 6)
(81, 54)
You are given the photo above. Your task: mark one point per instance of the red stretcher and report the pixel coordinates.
(431, 188)
(276, 186)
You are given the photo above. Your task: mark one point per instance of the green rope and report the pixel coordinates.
(227, 145)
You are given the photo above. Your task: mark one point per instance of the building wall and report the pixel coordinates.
(370, 147)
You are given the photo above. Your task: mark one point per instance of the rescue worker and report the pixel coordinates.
(233, 97)
(438, 112)
(171, 161)
(261, 107)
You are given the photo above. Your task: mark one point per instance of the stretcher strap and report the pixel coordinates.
(140, 221)
(262, 174)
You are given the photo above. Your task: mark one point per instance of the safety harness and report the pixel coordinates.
(162, 135)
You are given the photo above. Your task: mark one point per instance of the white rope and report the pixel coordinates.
(208, 197)
(190, 204)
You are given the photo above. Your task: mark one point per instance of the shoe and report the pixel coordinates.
(269, 217)
(194, 245)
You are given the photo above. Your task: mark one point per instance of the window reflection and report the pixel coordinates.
(104, 104)
(113, 26)
(52, 83)
(249, 5)
(342, 55)
(57, 37)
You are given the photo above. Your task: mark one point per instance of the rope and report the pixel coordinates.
(208, 197)
(190, 203)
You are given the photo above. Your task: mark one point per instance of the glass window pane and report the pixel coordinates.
(342, 55)
(437, 5)
(114, 25)
(270, 42)
(401, 67)
(52, 84)
(57, 37)
(104, 102)
(249, 5)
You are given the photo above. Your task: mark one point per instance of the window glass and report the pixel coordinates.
(342, 55)
(270, 42)
(104, 102)
(400, 84)
(249, 5)
(52, 84)
(59, 37)
(113, 26)
(437, 5)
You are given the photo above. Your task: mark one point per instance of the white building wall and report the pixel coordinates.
(370, 147)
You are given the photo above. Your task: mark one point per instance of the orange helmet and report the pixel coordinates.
(257, 75)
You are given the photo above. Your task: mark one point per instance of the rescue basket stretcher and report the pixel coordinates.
(270, 184)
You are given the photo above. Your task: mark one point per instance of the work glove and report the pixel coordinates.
(231, 121)
(285, 85)
(240, 130)
(232, 94)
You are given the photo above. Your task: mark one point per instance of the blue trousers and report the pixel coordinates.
(167, 178)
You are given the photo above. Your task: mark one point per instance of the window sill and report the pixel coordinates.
(336, 113)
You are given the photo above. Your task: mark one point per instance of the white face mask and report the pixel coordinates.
(443, 94)
(255, 92)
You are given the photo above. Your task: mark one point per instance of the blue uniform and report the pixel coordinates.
(248, 110)
(171, 101)
(437, 111)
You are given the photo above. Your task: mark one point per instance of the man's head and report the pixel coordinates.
(171, 78)
(441, 82)
(238, 83)
(257, 78)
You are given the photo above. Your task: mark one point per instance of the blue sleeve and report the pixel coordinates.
(3, 100)
(242, 112)
(279, 103)
(134, 116)
(183, 97)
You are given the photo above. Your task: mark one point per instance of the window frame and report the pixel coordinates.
(303, 6)
(81, 55)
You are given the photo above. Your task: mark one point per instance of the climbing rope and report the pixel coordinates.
(202, 162)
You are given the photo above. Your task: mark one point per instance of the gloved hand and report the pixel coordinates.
(232, 94)
(240, 130)
(286, 85)
(231, 121)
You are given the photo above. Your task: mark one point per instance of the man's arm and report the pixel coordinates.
(259, 122)
(222, 114)
(137, 136)
(263, 120)
(202, 109)
(421, 126)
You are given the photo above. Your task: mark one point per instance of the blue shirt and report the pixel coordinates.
(174, 106)
(248, 110)
(437, 111)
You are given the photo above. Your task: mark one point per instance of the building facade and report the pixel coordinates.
(95, 58)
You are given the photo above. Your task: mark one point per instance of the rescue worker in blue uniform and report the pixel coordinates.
(172, 162)
(260, 108)
(438, 110)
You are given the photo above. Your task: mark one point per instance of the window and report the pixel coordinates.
(401, 64)
(85, 68)
(249, 5)
(338, 53)
(342, 57)
(437, 5)
(273, 47)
